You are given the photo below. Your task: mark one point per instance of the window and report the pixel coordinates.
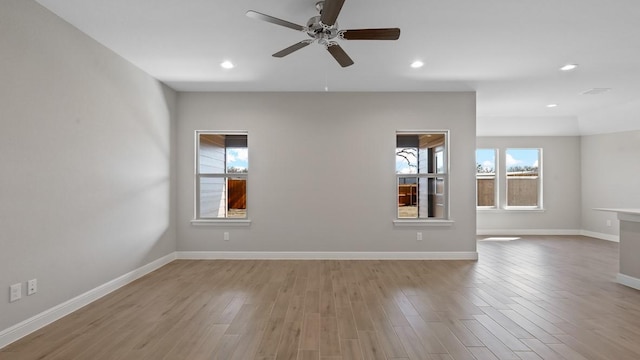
(486, 184)
(523, 174)
(421, 175)
(221, 175)
(520, 176)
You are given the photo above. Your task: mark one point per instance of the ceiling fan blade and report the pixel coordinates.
(274, 20)
(292, 48)
(330, 11)
(372, 34)
(341, 57)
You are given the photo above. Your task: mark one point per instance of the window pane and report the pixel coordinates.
(439, 158)
(523, 178)
(522, 191)
(408, 197)
(424, 162)
(423, 197)
(486, 191)
(431, 153)
(211, 154)
(237, 160)
(406, 160)
(438, 198)
(485, 161)
(237, 203)
(213, 203)
(486, 177)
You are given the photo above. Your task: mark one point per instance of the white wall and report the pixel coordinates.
(527, 126)
(321, 169)
(610, 178)
(618, 118)
(561, 188)
(85, 159)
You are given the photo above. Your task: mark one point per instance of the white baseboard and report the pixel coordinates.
(324, 255)
(503, 232)
(629, 281)
(46, 317)
(601, 236)
(506, 232)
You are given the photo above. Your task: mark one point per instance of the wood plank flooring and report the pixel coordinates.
(533, 298)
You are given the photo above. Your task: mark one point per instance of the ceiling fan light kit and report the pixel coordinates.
(324, 30)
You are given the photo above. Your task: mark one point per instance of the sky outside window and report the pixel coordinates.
(238, 159)
(521, 158)
(486, 158)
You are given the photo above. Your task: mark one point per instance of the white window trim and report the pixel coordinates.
(427, 221)
(512, 209)
(196, 204)
(221, 222)
(423, 223)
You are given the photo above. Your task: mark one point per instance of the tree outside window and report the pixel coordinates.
(421, 174)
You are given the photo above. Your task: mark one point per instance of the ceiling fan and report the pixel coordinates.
(324, 29)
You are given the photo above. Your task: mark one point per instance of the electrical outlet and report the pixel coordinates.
(32, 286)
(15, 292)
(226, 236)
(609, 223)
(419, 236)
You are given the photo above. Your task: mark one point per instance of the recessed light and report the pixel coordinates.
(596, 91)
(552, 105)
(417, 64)
(227, 65)
(569, 67)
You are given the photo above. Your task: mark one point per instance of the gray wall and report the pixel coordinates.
(321, 169)
(86, 159)
(610, 178)
(561, 187)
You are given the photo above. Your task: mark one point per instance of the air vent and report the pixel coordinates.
(596, 91)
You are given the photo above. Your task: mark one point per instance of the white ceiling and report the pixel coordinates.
(508, 51)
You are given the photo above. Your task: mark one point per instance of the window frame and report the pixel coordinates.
(445, 175)
(540, 178)
(197, 219)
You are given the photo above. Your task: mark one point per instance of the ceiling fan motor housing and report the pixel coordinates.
(319, 31)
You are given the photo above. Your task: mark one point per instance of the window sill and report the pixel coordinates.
(427, 223)
(220, 222)
(510, 209)
(530, 209)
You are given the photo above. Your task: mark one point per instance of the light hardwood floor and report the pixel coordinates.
(534, 298)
